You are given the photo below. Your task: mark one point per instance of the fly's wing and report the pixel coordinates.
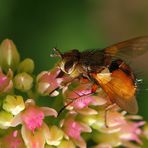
(133, 52)
(120, 89)
(131, 48)
(130, 106)
(127, 50)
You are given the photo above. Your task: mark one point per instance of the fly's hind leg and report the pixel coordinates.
(93, 90)
(106, 112)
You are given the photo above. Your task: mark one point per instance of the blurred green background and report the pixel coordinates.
(37, 26)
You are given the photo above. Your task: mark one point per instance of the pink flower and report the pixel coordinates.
(73, 129)
(131, 131)
(47, 82)
(123, 131)
(82, 96)
(33, 117)
(13, 140)
(34, 131)
(5, 81)
(115, 119)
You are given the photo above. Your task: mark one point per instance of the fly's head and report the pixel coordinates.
(69, 60)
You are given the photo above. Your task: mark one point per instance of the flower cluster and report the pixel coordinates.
(84, 121)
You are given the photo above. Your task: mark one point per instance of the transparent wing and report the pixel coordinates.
(133, 52)
(131, 48)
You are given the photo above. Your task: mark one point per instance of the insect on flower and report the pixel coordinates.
(109, 69)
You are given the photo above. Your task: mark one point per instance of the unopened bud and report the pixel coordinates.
(9, 56)
(23, 82)
(26, 65)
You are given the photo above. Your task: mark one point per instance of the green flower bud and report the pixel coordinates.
(9, 56)
(26, 65)
(56, 135)
(23, 82)
(5, 119)
(13, 104)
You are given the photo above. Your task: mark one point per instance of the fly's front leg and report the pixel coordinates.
(94, 88)
(67, 82)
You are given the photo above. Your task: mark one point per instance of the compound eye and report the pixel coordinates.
(69, 66)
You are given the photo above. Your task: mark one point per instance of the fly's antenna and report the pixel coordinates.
(56, 53)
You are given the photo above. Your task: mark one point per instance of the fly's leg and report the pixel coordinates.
(93, 90)
(106, 112)
(67, 82)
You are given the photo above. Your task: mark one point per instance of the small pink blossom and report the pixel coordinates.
(15, 133)
(5, 81)
(115, 119)
(120, 127)
(111, 123)
(73, 130)
(33, 117)
(13, 140)
(34, 130)
(82, 102)
(131, 131)
(80, 96)
(47, 82)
